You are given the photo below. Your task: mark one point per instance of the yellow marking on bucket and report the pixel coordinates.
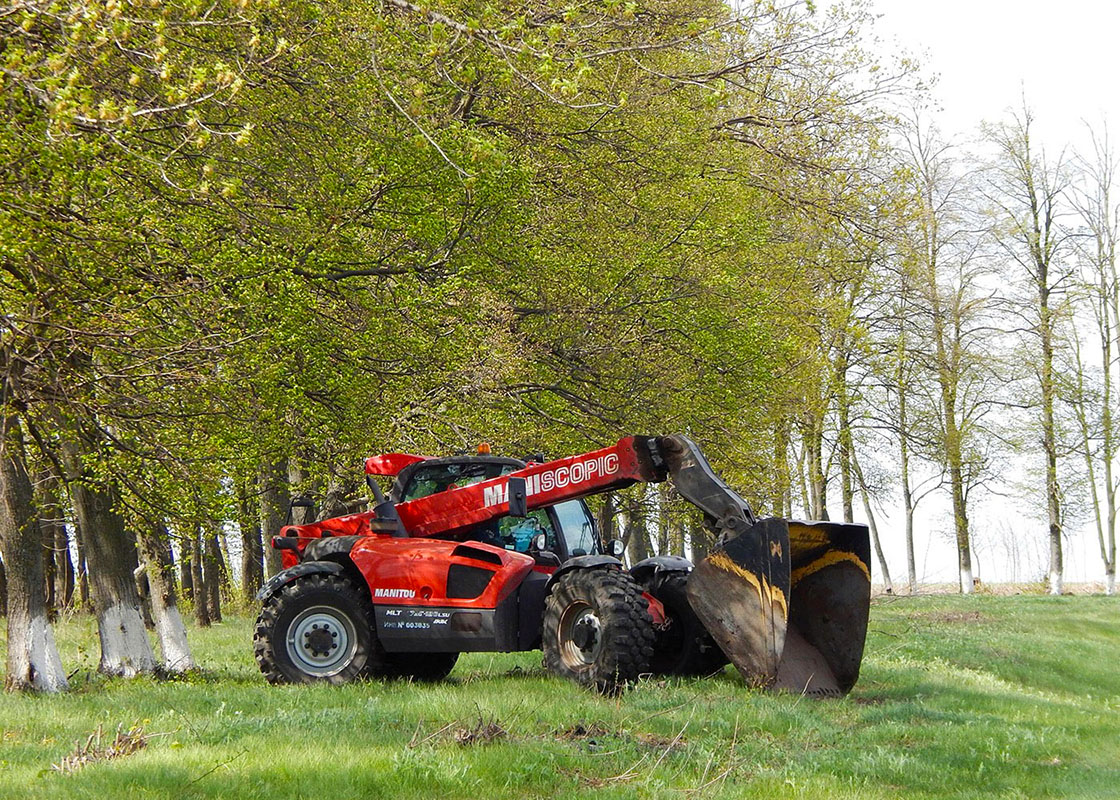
(766, 592)
(827, 560)
(803, 536)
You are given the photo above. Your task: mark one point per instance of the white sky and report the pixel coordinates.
(986, 54)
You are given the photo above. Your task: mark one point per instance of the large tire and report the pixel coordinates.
(423, 667)
(683, 646)
(314, 630)
(597, 629)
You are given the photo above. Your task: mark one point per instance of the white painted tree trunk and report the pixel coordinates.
(32, 661)
(173, 639)
(1110, 584)
(967, 583)
(47, 674)
(171, 631)
(1055, 581)
(125, 648)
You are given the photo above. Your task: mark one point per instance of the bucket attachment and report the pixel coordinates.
(787, 602)
(740, 593)
(830, 597)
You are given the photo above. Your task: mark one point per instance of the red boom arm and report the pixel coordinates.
(627, 462)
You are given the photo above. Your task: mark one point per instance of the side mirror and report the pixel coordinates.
(615, 548)
(518, 498)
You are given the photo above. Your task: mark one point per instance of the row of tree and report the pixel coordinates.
(245, 244)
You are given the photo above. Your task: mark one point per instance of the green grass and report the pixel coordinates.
(1003, 697)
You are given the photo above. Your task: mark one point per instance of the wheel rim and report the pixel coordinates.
(581, 636)
(321, 641)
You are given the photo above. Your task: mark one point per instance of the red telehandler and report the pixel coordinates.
(486, 553)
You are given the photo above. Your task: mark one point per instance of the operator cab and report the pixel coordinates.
(569, 527)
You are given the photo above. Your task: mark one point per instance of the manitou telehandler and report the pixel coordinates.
(485, 553)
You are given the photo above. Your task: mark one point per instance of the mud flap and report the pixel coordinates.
(787, 602)
(740, 593)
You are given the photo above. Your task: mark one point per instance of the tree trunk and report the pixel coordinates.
(636, 536)
(700, 540)
(186, 568)
(172, 633)
(50, 568)
(606, 518)
(56, 543)
(83, 580)
(274, 490)
(818, 481)
(140, 579)
(252, 549)
(33, 661)
(1049, 440)
(297, 484)
(110, 556)
(213, 567)
(904, 478)
(677, 536)
(64, 571)
(887, 585)
(201, 597)
(843, 413)
(663, 534)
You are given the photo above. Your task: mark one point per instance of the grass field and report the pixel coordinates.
(1008, 697)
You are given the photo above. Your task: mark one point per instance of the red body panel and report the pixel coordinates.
(413, 570)
(390, 463)
(407, 572)
(448, 512)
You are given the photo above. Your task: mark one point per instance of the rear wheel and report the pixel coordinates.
(315, 629)
(597, 629)
(683, 646)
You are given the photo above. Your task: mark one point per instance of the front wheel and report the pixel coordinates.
(316, 629)
(597, 629)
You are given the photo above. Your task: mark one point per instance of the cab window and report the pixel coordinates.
(576, 527)
(517, 533)
(439, 478)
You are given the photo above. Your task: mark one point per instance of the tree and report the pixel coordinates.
(1100, 215)
(952, 313)
(33, 661)
(1028, 192)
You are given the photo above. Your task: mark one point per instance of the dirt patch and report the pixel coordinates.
(482, 732)
(124, 743)
(660, 742)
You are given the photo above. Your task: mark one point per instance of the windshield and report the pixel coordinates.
(576, 527)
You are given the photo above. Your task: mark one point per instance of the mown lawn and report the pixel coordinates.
(1009, 697)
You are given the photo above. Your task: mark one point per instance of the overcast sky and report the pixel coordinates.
(986, 53)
